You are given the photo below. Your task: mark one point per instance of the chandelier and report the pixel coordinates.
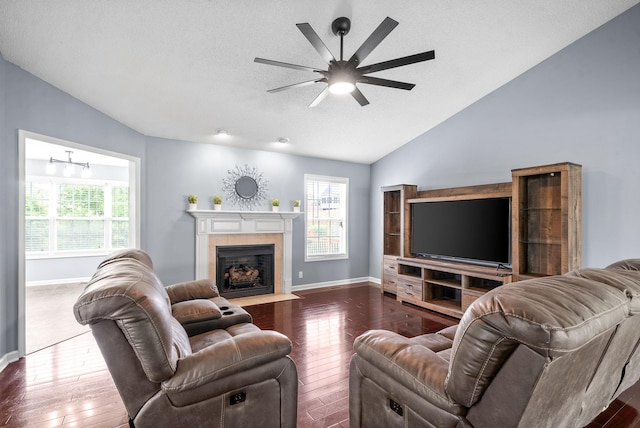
(69, 166)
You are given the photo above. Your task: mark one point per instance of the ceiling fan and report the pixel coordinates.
(341, 76)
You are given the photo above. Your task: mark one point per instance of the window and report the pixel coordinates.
(37, 216)
(326, 203)
(64, 216)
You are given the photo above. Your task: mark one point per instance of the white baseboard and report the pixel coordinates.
(8, 359)
(333, 283)
(57, 281)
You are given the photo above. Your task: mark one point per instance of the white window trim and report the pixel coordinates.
(345, 254)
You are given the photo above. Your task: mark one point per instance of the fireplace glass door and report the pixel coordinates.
(245, 270)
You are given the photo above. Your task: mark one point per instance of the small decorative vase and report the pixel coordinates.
(275, 209)
(193, 207)
(217, 207)
(296, 209)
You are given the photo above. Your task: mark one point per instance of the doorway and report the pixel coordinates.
(78, 204)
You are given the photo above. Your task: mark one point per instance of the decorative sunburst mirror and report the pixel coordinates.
(245, 186)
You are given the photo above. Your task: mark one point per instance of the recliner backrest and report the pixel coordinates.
(552, 316)
(625, 280)
(128, 292)
(129, 253)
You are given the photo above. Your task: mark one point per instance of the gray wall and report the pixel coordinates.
(177, 168)
(58, 270)
(6, 324)
(581, 105)
(31, 104)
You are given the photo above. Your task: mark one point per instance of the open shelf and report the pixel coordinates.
(410, 270)
(395, 231)
(447, 287)
(546, 209)
(444, 283)
(482, 285)
(443, 295)
(443, 278)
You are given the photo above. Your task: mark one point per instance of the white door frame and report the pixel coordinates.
(134, 213)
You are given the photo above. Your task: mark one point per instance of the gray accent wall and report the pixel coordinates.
(176, 169)
(582, 105)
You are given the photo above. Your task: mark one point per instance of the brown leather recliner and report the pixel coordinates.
(197, 305)
(234, 375)
(547, 352)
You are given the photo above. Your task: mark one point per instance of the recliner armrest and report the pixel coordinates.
(416, 367)
(226, 358)
(190, 290)
(197, 310)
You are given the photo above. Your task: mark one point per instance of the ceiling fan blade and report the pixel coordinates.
(398, 62)
(316, 42)
(374, 40)
(361, 99)
(297, 85)
(369, 80)
(321, 96)
(286, 64)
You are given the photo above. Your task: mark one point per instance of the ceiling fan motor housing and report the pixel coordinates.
(341, 26)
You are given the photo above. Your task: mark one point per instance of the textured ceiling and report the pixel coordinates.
(183, 69)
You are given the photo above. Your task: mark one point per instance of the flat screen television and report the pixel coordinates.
(476, 231)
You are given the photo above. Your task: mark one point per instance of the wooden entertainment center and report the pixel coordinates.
(546, 238)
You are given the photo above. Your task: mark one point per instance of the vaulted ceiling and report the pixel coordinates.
(183, 69)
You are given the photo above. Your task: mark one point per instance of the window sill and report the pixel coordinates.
(66, 256)
(326, 258)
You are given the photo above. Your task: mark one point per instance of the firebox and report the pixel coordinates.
(245, 270)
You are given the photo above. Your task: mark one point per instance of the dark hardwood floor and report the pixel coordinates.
(68, 384)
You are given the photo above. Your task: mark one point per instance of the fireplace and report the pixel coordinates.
(245, 270)
(240, 228)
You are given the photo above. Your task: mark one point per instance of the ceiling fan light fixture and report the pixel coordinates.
(341, 82)
(342, 87)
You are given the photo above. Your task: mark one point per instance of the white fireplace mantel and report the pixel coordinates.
(212, 222)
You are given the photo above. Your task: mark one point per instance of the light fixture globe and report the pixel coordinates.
(341, 81)
(86, 171)
(51, 167)
(342, 87)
